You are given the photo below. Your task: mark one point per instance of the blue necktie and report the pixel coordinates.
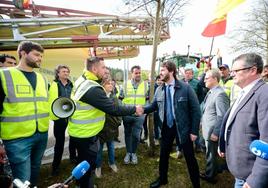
(169, 114)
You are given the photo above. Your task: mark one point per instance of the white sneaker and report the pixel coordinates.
(114, 167)
(98, 172)
(134, 159)
(127, 158)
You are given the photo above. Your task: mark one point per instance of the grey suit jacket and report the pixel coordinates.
(214, 109)
(249, 122)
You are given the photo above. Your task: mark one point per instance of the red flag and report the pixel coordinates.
(216, 27)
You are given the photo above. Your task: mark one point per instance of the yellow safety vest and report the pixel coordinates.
(201, 69)
(87, 121)
(53, 94)
(227, 86)
(24, 110)
(135, 96)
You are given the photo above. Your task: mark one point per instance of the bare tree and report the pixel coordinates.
(252, 35)
(169, 9)
(162, 12)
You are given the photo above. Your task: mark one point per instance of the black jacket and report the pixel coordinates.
(97, 97)
(186, 106)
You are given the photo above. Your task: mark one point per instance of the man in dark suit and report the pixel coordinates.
(216, 103)
(246, 121)
(179, 112)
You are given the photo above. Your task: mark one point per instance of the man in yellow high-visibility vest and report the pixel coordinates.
(135, 94)
(226, 80)
(24, 109)
(88, 120)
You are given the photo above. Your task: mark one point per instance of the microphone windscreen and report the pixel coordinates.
(259, 148)
(80, 170)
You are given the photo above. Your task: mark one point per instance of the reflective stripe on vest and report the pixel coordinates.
(87, 121)
(86, 107)
(135, 97)
(24, 110)
(23, 118)
(11, 91)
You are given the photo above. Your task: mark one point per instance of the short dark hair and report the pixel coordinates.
(28, 46)
(265, 67)
(251, 59)
(57, 70)
(91, 61)
(135, 67)
(171, 67)
(4, 56)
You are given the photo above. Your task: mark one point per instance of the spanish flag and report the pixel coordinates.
(216, 27)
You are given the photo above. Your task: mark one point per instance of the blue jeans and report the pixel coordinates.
(239, 183)
(110, 148)
(25, 155)
(132, 128)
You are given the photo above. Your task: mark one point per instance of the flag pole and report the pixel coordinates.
(211, 47)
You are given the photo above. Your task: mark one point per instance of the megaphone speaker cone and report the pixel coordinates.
(63, 107)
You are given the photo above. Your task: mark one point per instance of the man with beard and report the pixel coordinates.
(24, 109)
(179, 112)
(88, 119)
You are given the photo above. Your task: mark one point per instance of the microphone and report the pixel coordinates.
(78, 172)
(259, 148)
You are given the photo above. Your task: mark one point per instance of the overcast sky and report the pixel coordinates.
(198, 15)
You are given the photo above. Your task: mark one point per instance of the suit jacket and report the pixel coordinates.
(186, 107)
(214, 109)
(249, 122)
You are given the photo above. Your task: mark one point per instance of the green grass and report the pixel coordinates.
(138, 176)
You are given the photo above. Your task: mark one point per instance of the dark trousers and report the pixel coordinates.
(157, 125)
(211, 158)
(59, 134)
(168, 136)
(87, 149)
(145, 127)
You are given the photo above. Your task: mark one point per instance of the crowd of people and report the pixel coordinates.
(219, 113)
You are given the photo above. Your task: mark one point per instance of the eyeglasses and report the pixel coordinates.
(238, 70)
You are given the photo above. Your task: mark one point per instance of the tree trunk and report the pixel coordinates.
(157, 22)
